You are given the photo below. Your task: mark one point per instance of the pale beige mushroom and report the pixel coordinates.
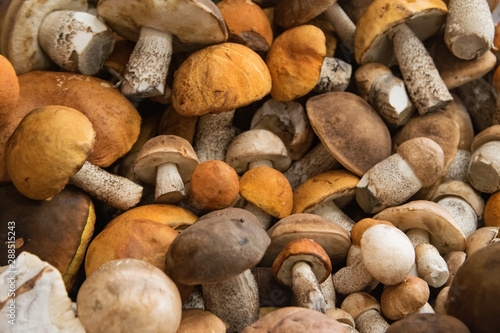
(484, 167)
(481, 238)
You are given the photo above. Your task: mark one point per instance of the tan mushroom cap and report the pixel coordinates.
(459, 113)
(461, 190)
(337, 185)
(173, 16)
(289, 13)
(165, 149)
(371, 43)
(357, 303)
(301, 249)
(407, 297)
(350, 129)
(295, 60)
(219, 78)
(361, 226)
(198, 320)
(48, 147)
(428, 322)
(232, 212)
(332, 237)
(445, 234)
(267, 189)
(492, 133)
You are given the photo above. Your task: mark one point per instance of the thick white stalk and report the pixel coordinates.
(169, 186)
(306, 288)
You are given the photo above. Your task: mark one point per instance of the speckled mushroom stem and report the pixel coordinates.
(235, 301)
(335, 76)
(342, 24)
(426, 88)
(332, 212)
(459, 166)
(371, 321)
(169, 186)
(306, 287)
(354, 277)
(328, 291)
(117, 191)
(76, 41)
(463, 213)
(146, 72)
(214, 134)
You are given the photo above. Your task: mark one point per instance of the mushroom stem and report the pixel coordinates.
(255, 164)
(146, 71)
(328, 291)
(354, 277)
(484, 168)
(76, 41)
(214, 134)
(426, 88)
(371, 322)
(458, 169)
(235, 301)
(264, 218)
(332, 212)
(342, 24)
(463, 213)
(117, 191)
(426, 308)
(306, 287)
(169, 185)
(335, 76)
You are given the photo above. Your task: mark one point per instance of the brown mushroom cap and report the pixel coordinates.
(47, 148)
(239, 78)
(428, 323)
(215, 249)
(404, 298)
(198, 320)
(165, 149)
(289, 13)
(491, 133)
(232, 212)
(371, 43)
(350, 129)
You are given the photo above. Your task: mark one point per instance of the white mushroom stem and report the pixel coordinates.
(169, 186)
(146, 72)
(328, 291)
(259, 163)
(342, 24)
(484, 167)
(459, 166)
(117, 191)
(463, 213)
(335, 76)
(235, 301)
(426, 88)
(426, 308)
(306, 287)
(76, 41)
(332, 212)
(371, 321)
(214, 134)
(264, 218)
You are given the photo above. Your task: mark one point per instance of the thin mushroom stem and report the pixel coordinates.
(306, 287)
(117, 191)
(169, 185)
(328, 291)
(371, 321)
(342, 24)
(332, 212)
(146, 72)
(334, 76)
(255, 164)
(214, 134)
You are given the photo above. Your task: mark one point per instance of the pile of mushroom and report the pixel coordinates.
(241, 166)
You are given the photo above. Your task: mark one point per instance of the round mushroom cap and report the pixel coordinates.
(357, 303)
(289, 13)
(337, 185)
(361, 226)
(296, 320)
(215, 249)
(371, 41)
(232, 212)
(445, 233)
(257, 145)
(350, 129)
(474, 292)
(491, 133)
(175, 17)
(405, 298)
(48, 147)
(428, 323)
(219, 78)
(165, 149)
(9, 88)
(306, 250)
(295, 60)
(269, 190)
(198, 320)
(492, 211)
(332, 237)
(148, 299)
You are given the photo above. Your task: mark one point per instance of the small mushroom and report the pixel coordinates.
(484, 166)
(197, 320)
(365, 310)
(481, 238)
(428, 322)
(492, 211)
(454, 260)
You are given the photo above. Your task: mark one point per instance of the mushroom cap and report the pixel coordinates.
(445, 233)
(148, 299)
(361, 226)
(232, 212)
(491, 133)
(428, 323)
(215, 249)
(165, 149)
(357, 303)
(301, 249)
(289, 13)
(214, 185)
(405, 298)
(219, 78)
(337, 185)
(296, 320)
(198, 320)
(473, 294)
(350, 129)
(492, 211)
(332, 237)
(458, 112)
(371, 42)
(267, 189)
(19, 36)
(480, 238)
(9, 88)
(257, 145)
(48, 147)
(175, 17)
(295, 60)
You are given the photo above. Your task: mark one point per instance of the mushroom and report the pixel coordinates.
(492, 211)
(342, 317)
(454, 260)
(481, 238)
(50, 147)
(418, 162)
(197, 320)
(9, 94)
(428, 322)
(390, 28)
(325, 195)
(148, 299)
(484, 166)
(33, 298)
(241, 78)
(153, 25)
(70, 37)
(167, 161)
(302, 265)
(365, 310)
(218, 253)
